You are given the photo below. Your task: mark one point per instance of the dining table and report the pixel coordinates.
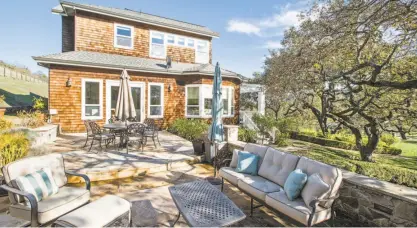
(121, 128)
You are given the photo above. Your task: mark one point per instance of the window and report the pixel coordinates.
(170, 39)
(92, 99)
(190, 42)
(232, 101)
(157, 45)
(123, 36)
(156, 100)
(181, 41)
(193, 101)
(199, 100)
(202, 52)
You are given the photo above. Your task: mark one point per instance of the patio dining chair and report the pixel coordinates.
(134, 133)
(151, 131)
(100, 135)
(88, 131)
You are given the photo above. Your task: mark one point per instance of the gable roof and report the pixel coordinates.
(136, 16)
(120, 62)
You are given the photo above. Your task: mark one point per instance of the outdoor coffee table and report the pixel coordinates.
(202, 205)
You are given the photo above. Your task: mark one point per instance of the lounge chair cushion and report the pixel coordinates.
(296, 209)
(315, 188)
(258, 186)
(231, 175)
(100, 213)
(40, 184)
(294, 184)
(67, 199)
(252, 148)
(277, 166)
(329, 174)
(22, 167)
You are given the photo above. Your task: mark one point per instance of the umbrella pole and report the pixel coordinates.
(215, 157)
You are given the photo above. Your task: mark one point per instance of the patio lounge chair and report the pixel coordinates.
(274, 168)
(151, 131)
(100, 135)
(48, 209)
(88, 131)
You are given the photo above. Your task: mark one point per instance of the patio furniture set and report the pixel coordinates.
(126, 131)
(199, 202)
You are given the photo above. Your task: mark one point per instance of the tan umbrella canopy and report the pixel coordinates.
(125, 108)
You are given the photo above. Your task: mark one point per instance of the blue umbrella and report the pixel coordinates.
(215, 133)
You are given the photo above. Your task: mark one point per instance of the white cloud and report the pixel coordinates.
(284, 19)
(243, 27)
(273, 44)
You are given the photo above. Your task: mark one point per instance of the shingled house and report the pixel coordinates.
(99, 42)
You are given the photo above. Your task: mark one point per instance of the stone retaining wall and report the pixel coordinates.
(370, 201)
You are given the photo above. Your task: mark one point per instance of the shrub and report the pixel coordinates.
(13, 146)
(288, 124)
(247, 135)
(281, 139)
(190, 129)
(31, 119)
(309, 132)
(388, 150)
(39, 103)
(389, 139)
(265, 123)
(5, 124)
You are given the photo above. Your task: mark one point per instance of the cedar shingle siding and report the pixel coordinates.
(67, 100)
(96, 33)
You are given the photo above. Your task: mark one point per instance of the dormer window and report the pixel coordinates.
(190, 43)
(123, 36)
(171, 39)
(157, 45)
(202, 52)
(181, 41)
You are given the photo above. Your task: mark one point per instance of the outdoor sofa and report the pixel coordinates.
(267, 187)
(47, 210)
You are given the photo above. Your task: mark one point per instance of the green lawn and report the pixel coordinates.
(396, 169)
(409, 147)
(21, 93)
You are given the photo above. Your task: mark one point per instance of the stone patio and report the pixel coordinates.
(149, 174)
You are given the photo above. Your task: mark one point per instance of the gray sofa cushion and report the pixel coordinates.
(296, 209)
(231, 175)
(252, 148)
(258, 186)
(329, 174)
(277, 166)
(67, 199)
(315, 188)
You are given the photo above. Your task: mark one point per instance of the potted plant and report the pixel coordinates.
(195, 132)
(2, 108)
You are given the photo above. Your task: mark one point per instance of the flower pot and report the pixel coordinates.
(198, 146)
(2, 111)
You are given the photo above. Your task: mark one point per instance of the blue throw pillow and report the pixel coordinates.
(294, 184)
(247, 163)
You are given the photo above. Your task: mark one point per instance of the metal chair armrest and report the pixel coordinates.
(226, 160)
(85, 177)
(313, 204)
(32, 201)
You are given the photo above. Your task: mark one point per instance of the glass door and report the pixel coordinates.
(137, 89)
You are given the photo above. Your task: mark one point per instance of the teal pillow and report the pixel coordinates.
(294, 184)
(247, 163)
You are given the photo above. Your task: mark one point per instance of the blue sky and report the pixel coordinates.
(247, 28)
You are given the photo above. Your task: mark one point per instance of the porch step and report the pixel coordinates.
(113, 165)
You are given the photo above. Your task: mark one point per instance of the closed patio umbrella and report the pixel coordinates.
(125, 108)
(215, 132)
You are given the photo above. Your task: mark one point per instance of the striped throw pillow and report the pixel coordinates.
(40, 183)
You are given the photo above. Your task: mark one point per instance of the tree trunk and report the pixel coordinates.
(403, 135)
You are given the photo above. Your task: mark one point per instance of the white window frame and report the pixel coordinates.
(201, 97)
(83, 105)
(173, 36)
(164, 45)
(132, 29)
(178, 40)
(207, 59)
(188, 40)
(149, 100)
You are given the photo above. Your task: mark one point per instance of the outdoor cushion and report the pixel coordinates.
(231, 175)
(22, 167)
(296, 209)
(329, 174)
(277, 166)
(258, 186)
(40, 184)
(252, 148)
(67, 199)
(315, 188)
(294, 184)
(100, 213)
(104, 136)
(247, 163)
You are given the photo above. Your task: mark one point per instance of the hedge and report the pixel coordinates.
(341, 144)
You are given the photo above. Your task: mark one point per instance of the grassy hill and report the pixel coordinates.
(21, 93)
